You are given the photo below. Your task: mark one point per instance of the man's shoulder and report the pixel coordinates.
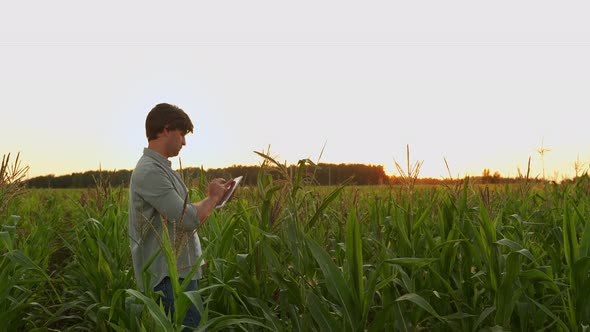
(146, 168)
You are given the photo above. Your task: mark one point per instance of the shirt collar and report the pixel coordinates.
(158, 157)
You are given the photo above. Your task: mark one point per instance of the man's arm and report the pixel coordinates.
(204, 208)
(155, 187)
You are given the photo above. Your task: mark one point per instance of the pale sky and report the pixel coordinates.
(481, 84)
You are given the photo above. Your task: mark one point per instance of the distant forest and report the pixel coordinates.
(323, 175)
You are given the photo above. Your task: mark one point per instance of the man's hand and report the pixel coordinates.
(217, 188)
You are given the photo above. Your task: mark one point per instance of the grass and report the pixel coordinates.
(288, 256)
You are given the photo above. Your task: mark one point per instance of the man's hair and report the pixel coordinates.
(166, 116)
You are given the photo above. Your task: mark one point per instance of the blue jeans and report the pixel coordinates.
(193, 317)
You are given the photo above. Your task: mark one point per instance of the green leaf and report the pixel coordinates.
(6, 240)
(506, 292)
(195, 298)
(227, 238)
(222, 323)
(335, 282)
(484, 314)
(540, 276)
(354, 257)
(157, 313)
(570, 240)
(516, 247)
(115, 327)
(326, 202)
(269, 315)
(411, 261)
(300, 167)
(550, 314)
(421, 302)
(585, 241)
(272, 160)
(458, 316)
(18, 257)
(321, 315)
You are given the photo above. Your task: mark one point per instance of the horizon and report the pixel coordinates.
(549, 170)
(538, 176)
(478, 85)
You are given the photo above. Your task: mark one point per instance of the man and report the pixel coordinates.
(158, 195)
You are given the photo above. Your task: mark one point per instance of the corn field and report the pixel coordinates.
(286, 255)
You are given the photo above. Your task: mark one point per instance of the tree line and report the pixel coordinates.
(321, 174)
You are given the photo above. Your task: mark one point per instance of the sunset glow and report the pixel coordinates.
(479, 86)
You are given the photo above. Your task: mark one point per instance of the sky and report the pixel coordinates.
(478, 84)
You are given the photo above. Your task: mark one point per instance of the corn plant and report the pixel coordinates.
(286, 255)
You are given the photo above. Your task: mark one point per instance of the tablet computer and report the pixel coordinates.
(230, 192)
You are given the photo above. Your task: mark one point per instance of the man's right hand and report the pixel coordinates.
(217, 188)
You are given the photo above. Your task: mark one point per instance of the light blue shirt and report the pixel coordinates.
(157, 193)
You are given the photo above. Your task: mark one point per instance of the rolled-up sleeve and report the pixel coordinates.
(157, 190)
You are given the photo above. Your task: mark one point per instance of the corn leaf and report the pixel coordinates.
(335, 283)
(421, 302)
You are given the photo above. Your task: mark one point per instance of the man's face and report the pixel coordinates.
(175, 141)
